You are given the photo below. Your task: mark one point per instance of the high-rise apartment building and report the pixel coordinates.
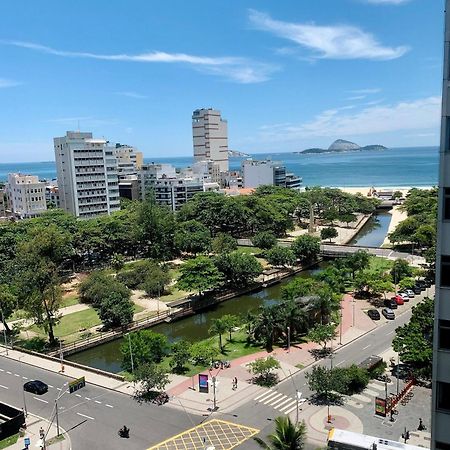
(210, 134)
(129, 160)
(440, 414)
(26, 195)
(87, 175)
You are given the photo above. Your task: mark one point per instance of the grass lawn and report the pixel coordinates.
(250, 250)
(377, 263)
(175, 294)
(138, 308)
(70, 300)
(9, 441)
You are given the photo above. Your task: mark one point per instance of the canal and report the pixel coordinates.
(374, 231)
(193, 328)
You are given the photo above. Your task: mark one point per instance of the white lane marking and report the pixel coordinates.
(78, 395)
(96, 401)
(283, 403)
(25, 378)
(8, 372)
(17, 375)
(4, 387)
(109, 406)
(58, 389)
(291, 409)
(49, 385)
(342, 362)
(393, 331)
(1, 370)
(87, 417)
(367, 346)
(289, 405)
(274, 398)
(274, 405)
(40, 400)
(87, 398)
(262, 395)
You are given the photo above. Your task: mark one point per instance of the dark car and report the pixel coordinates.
(389, 303)
(388, 313)
(416, 290)
(421, 285)
(402, 371)
(35, 387)
(374, 314)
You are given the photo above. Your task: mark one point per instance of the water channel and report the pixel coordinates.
(194, 328)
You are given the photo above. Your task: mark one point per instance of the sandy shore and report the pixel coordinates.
(364, 190)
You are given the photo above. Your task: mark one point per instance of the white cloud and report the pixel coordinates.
(83, 121)
(417, 116)
(387, 2)
(357, 97)
(331, 42)
(365, 91)
(5, 83)
(131, 94)
(237, 69)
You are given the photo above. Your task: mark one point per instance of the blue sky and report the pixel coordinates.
(287, 75)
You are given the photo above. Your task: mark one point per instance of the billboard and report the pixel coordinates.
(380, 406)
(203, 383)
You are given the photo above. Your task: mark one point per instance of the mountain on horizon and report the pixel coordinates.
(341, 145)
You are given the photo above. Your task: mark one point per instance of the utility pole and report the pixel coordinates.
(340, 325)
(398, 372)
(214, 381)
(57, 417)
(4, 332)
(298, 395)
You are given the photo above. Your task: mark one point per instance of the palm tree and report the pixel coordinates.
(218, 327)
(268, 325)
(287, 435)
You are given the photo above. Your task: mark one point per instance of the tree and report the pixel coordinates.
(400, 269)
(96, 286)
(146, 346)
(287, 435)
(199, 274)
(231, 322)
(181, 353)
(268, 325)
(155, 283)
(264, 240)
(262, 370)
(414, 340)
(360, 260)
(238, 268)
(407, 283)
(280, 256)
(224, 243)
(324, 385)
(218, 327)
(306, 248)
(348, 218)
(116, 309)
(117, 261)
(328, 233)
(8, 303)
(321, 334)
(151, 380)
(193, 237)
(203, 353)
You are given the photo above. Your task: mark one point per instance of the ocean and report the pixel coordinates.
(408, 166)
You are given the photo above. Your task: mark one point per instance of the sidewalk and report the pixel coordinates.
(34, 424)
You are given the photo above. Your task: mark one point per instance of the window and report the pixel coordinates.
(446, 203)
(445, 270)
(442, 446)
(444, 334)
(443, 396)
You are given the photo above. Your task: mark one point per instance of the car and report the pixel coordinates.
(409, 293)
(390, 303)
(420, 284)
(374, 314)
(398, 299)
(388, 313)
(401, 370)
(35, 387)
(403, 295)
(416, 290)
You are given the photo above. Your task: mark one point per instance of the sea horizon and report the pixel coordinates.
(393, 167)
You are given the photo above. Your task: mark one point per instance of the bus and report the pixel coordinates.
(348, 440)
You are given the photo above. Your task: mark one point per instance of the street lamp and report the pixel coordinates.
(340, 325)
(4, 332)
(298, 396)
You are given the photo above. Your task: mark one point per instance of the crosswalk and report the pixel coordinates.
(281, 402)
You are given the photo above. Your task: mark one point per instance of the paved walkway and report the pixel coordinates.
(32, 432)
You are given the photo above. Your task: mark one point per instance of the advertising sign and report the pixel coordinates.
(77, 384)
(380, 406)
(203, 383)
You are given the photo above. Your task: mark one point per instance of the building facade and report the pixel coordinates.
(440, 414)
(266, 172)
(210, 136)
(2, 204)
(26, 195)
(87, 175)
(129, 160)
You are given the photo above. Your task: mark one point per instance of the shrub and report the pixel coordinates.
(264, 240)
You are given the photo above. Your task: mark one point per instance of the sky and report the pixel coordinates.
(287, 75)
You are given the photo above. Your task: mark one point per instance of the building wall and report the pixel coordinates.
(440, 429)
(87, 175)
(257, 173)
(2, 203)
(210, 136)
(26, 195)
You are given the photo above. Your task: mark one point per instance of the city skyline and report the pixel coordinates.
(286, 77)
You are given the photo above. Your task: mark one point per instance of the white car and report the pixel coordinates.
(410, 293)
(404, 296)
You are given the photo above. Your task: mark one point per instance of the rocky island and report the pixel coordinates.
(342, 145)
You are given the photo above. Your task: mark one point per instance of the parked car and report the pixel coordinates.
(409, 293)
(401, 370)
(388, 313)
(420, 284)
(35, 387)
(417, 290)
(374, 314)
(403, 295)
(390, 303)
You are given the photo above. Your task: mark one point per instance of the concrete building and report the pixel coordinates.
(26, 195)
(440, 414)
(169, 187)
(2, 203)
(210, 135)
(52, 196)
(266, 172)
(129, 160)
(87, 175)
(129, 187)
(207, 170)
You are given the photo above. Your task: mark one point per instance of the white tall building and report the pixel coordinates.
(440, 413)
(87, 175)
(210, 135)
(129, 160)
(258, 173)
(26, 195)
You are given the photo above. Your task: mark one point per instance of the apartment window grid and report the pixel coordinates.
(445, 271)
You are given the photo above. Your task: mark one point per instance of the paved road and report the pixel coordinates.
(260, 412)
(92, 415)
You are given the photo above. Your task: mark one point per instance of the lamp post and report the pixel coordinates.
(4, 332)
(398, 372)
(328, 392)
(298, 396)
(340, 325)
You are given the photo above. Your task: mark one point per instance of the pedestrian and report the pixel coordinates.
(235, 381)
(41, 433)
(421, 426)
